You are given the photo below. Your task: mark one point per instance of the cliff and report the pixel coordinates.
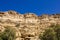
(28, 26)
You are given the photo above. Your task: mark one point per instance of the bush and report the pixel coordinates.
(0, 38)
(53, 33)
(8, 34)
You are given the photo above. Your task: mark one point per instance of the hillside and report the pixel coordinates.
(28, 26)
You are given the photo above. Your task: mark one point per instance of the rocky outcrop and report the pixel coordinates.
(29, 26)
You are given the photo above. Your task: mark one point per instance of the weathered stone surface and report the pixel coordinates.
(28, 26)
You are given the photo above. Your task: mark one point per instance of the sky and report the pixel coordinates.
(38, 7)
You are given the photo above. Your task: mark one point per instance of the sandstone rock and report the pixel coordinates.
(28, 26)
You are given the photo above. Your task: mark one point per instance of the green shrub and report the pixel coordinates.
(8, 34)
(53, 33)
(0, 38)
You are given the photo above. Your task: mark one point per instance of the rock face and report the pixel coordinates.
(28, 26)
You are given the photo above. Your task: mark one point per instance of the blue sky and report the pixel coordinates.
(35, 6)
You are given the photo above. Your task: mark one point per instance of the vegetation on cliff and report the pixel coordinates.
(8, 34)
(53, 33)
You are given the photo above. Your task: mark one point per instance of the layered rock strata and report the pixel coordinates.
(28, 26)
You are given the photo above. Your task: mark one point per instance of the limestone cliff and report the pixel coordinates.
(28, 26)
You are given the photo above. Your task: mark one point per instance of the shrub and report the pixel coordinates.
(53, 33)
(8, 34)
